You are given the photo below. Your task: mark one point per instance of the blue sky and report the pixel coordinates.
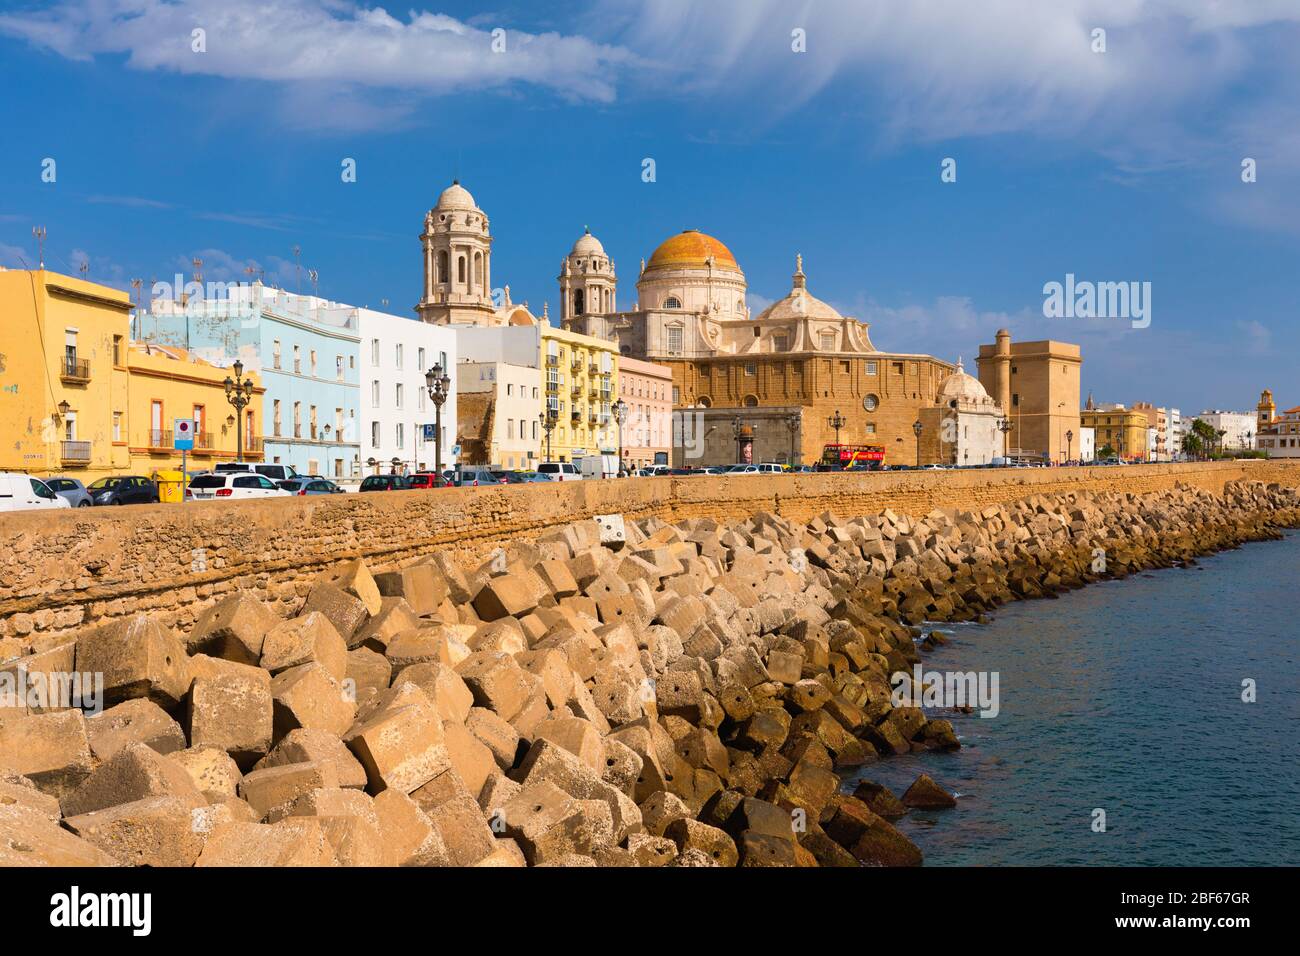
(1115, 166)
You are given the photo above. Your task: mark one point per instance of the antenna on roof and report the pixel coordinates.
(297, 265)
(314, 276)
(38, 232)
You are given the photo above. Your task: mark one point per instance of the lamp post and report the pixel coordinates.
(620, 416)
(239, 392)
(548, 419)
(1069, 444)
(916, 430)
(439, 386)
(792, 423)
(1004, 426)
(837, 421)
(737, 427)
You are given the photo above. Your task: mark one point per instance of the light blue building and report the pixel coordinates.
(304, 348)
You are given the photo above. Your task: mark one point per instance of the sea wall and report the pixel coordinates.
(61, 571)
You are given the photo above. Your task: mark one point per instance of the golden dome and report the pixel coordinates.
(689, 250)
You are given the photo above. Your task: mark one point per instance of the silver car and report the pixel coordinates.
(72, 490)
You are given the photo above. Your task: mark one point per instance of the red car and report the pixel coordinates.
(429, 480)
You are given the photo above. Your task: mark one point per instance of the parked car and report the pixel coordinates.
(232, 485)
(427, 479)
(742, 470)
(771, 468)
(70, 488)
(275, 472)
(309, 486)
(19, 492)
(472, 477)
(560, 471)
(123, 490)
(385, 483)
(530, 477)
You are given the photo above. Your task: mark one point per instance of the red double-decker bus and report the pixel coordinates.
(853, 457)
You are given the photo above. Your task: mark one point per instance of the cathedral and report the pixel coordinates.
(776, 386)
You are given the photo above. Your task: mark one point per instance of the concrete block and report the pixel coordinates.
(304, 640)
(234, 628)
(211, 769)
(51, 750)
(134, 773)
(232, 711)
(133, 721)
(308, 697)
(137, 658)
(155, 831)
(318, 746)
(346, 612)
(288, 843)
(272, 791)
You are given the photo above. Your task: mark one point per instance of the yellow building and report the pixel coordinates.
(63, 375)
(580, 382)
(167, 383)
(1123, 429)
(1037, 386)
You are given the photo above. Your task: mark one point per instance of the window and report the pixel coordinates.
(275, 418)
(510, 428)
(200, 413)
(780, 343)
(672, 302)
(374, 394)
(1015, 398)
(297, 419)
(117, 350)
(871, 367)
(871, 403)
(401, 435)
(313, 363)
(827, 340)
(751, 368)
(374, 434)
(674, 340)
(117, 426)
(312, 422)
(399, 394)
(275, 354)
(397, 354)
(419, 359)
(338, 367)
(297, 358)
(898, 368)
(510, 390)
(374, 352)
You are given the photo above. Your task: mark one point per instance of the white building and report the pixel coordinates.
(501, 405)
(1238, 428)
(1087, 443)
(1174, 431)
(964, 421)
(395, 405)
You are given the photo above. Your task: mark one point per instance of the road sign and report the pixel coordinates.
(428, 432)
(455, 449)
(183, 434)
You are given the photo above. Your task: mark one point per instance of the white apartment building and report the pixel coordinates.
(395, 405)
(1238, 427)
(1087, 443)
(501, 404)
(1174, 431)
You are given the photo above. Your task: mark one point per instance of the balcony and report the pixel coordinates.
(158, 439)
(576, 414)
(75, 371)
(593, 369)
(74, 452)
(553, 360)
(576, 391)
(576, 365)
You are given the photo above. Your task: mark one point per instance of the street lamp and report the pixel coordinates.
(1004, 426)
(620, 416)
(916, 430)
(238, 394)
(439, 387)
(837, 421)
(792, 423)
(1069, 444)
(737, 429)
(548, 419)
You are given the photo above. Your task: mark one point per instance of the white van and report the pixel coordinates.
(560, 471)
(600, 466)
(273, 471)
(19, 492)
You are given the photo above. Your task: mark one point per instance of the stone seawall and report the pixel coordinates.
(62, 571)
(644, 694)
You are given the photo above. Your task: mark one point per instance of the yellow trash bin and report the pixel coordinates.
(171, 485)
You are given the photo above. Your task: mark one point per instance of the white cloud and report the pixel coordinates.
(337, 43)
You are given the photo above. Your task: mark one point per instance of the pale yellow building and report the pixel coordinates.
(1036, 384)
(1123, 430)
(167, 383)
(63, 375)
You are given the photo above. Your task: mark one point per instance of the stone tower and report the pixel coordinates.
(588, 283)
(1266, 411)
(457, 248)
